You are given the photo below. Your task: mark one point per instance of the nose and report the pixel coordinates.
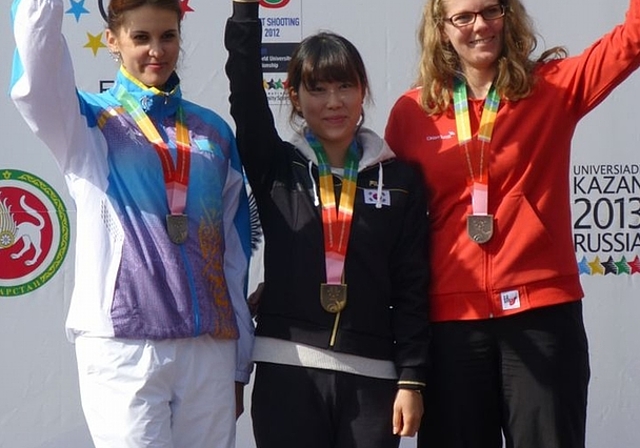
(155, 49)
(334, 98)
(480, 22)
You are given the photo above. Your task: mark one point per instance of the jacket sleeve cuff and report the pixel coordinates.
(245, 10)
(242, 376)
(412, 378)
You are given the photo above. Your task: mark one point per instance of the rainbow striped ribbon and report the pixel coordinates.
(461, 107)
(176, 177)
(336, 221)
(479, 187)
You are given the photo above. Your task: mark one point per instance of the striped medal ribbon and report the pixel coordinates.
(479, 222)
(336, 222)
(176, 177)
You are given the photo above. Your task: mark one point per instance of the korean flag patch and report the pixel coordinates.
(371, 197)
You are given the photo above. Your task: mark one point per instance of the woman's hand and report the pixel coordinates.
(407, 412)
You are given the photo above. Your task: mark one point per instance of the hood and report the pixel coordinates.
(374, 149)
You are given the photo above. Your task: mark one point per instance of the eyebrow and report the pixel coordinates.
(143, 31)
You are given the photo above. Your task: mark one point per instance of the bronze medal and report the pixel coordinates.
(480, 228)
(333, 297)
(177, 228)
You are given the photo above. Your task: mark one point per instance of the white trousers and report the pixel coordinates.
(177, 393)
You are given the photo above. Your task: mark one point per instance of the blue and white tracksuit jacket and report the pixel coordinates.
(131, 281)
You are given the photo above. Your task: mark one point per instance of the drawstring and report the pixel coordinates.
(316, 199)
(380, 178)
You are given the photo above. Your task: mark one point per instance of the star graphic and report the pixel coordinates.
(623, 266)
(184, 5)
(635, 265)
(596, 267)
(610, 267)
(272, 84)
(279, 84)
(95, 43)
(77, 9)
(583, 266)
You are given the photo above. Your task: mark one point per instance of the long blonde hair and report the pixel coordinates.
(439, 63)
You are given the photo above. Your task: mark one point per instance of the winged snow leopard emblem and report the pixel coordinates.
(11, 232)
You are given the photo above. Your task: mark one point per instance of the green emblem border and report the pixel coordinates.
(274, 3)
(65, 233)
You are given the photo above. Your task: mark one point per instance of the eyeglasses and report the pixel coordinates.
(462, 19)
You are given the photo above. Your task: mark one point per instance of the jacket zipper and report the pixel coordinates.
(487, 283)
(192, 289)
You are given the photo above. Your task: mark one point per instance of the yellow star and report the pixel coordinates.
(596, 266)
(95, 42)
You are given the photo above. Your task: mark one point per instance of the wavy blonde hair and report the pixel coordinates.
(439, 63)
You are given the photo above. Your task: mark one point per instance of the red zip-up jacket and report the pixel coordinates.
(530, 260)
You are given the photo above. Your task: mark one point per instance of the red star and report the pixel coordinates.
(635, 265)
(184, 5)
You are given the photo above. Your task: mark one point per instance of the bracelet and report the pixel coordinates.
(417, 391)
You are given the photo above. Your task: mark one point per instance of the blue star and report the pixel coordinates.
(583, 266)
(77, 9)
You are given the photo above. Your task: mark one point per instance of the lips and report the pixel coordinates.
(337, 120)
(485, 40)
(155, 65)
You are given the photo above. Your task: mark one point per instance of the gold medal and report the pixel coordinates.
(480, 228)
(177, 228)
(333, 297)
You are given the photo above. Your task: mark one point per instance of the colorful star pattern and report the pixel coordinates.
(609, 267)
(77, 9)
(94, 42)
(275, 84)
(622, 267)
(583, 266)
(184, 5)
(596, 267)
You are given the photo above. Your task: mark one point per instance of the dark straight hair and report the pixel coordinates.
(326, 57)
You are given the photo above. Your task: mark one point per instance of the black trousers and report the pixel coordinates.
(297, 407)
(524, 377)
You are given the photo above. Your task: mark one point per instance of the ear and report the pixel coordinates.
(295, 100)
(112, 41)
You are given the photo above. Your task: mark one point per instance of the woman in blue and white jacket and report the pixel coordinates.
(158, 312)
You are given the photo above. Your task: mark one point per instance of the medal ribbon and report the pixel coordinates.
(336, 221)
(176, 178)
(480, 186)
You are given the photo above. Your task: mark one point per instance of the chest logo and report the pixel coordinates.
(371, 197)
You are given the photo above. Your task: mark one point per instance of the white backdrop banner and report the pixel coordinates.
(38, 382)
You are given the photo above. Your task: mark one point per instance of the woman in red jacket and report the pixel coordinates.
(509, 348)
